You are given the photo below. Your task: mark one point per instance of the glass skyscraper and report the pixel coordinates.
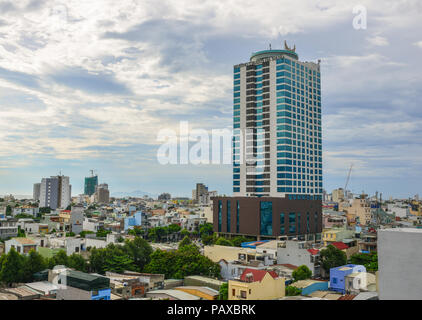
(90, 185)
(277, 147)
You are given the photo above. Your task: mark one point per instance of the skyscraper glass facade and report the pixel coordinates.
(277, 142)
(90, 184)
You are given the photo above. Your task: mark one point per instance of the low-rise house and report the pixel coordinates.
(360, 281)
(27, 210)
(348, 246)
(299, 253)
(257, 285)
(338, 276)
(23, 293)
(368, 242)
(133, 221)
(203, 282)
(21, 245)
(336, 235)
(216, 253)
(284, 270)
(171, 294)
(153, 281)
(8, 228)
(44, 288)
(309, 286)
(126, 286)
(325, 295)
(76, 285)
(91, 224)
(204, 293)
(231, 270)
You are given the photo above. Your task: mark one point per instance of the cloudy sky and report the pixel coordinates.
(89, 84)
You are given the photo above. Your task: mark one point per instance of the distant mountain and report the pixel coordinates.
(133, 194)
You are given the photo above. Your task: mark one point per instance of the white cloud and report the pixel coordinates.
(378, 41)
(418, 44)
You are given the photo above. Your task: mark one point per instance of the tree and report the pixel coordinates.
(369, 260)
(223, 242)
(60, 258)
(302, 273)
(332, 257)
(12, 268)
(184, 262)
(206, 229)
(224, 292)
(237, 241)
(139, 250)
(33, 263)
(21, 233)
(102, 233)
(8, 210)
(186, 241)
(173, 228)
(185, 233)
(45, 210)
(293, 291)
(84, 233)
(76, 261)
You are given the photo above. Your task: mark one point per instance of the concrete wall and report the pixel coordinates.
(399, 264)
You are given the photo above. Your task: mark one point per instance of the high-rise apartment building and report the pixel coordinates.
(36, 191)
(277, 150)
(90, 185)
(55, 192)
(102, 194)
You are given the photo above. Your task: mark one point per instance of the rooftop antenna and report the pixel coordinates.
(270, 46)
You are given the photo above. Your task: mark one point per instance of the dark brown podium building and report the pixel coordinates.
(267, 217)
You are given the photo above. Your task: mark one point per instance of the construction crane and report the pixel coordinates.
(348, 177)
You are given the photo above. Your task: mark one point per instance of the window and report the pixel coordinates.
(243, 294)
(292, 222)
(233, 292)
(266, 218)
(282, 228)
(237, 216)
(228, 215)
(220, 209)
(334, 280)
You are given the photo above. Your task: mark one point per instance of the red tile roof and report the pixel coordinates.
(313, 251)
(258, 275)
(340, 245)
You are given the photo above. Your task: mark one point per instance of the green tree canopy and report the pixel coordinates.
(332, 257)
(139, 250)
(224, 292)
(173, 228)
(293, 291)
(206, 229)
(76, 261)
(302, 273)
(33, 263)
(369, 260)
(223, 242)
(186, 241)
(183, 262)
(12, 268)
